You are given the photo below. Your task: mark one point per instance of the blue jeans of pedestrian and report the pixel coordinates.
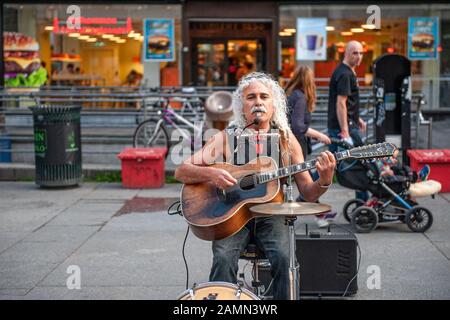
(272, 236)
(357, 141)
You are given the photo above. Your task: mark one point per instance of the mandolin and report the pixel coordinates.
(215, 214)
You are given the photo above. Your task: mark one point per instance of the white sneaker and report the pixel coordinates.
(322, 223)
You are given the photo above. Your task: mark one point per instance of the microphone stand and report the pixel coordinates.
(294, 282)
(288, 197)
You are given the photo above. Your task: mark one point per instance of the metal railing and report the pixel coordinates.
(367, 113)
(421, 121)
(110, 114)
(435, 89)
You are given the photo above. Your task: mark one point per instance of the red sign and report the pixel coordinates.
(94, 26)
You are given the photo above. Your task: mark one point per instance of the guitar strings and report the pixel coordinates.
(249, 180)
(246, 181)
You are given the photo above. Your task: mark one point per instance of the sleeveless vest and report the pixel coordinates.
(249, 145)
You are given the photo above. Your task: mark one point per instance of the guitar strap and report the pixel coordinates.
(246, 150)
(284, 149)
(235, 145)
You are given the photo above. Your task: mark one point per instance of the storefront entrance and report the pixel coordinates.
(221, 48)
(224, 62)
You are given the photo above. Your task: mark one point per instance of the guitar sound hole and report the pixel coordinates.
(246, 183)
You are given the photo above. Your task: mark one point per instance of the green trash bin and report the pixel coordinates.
(57, 145)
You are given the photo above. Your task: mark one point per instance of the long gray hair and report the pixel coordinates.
(279, 117)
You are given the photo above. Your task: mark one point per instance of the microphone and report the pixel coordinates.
(255, 121)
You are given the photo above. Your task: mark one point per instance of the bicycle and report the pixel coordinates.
(154, 133)
(189, 101)
(192, 106)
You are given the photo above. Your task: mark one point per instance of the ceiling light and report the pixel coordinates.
(368, 26)
(330, 28)
(357, 30)
(346, 33)
(135, 35)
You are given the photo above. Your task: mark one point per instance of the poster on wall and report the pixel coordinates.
(423, 38)
(159, 40)
(311, 41)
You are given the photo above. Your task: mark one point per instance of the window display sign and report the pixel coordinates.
(94, 26)
(159, 40)
(311, 39)
(423, 38)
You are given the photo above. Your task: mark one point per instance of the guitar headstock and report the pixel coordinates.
(379, 150)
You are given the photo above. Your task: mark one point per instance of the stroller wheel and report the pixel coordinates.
(419, 219)
(364, 219)
(350, 206)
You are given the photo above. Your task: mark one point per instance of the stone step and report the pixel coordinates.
(26, 171)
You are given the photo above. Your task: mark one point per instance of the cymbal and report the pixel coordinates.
(291, 208)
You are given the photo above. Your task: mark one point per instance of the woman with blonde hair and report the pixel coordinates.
(301, 92)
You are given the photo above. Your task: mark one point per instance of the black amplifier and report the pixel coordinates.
(328, 264)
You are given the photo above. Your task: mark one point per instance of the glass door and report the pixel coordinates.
(209, 64)
(244, 56)
(224, 62)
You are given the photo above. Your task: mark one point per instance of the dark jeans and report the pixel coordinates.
(357, 141)
(270, 234)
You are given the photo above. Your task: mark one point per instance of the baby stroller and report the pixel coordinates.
(392, 197)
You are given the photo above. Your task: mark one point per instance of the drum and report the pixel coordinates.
(217, 291)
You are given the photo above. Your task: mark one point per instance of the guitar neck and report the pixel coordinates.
(265, 177)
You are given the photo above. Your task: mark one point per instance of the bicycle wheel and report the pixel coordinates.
(148, 135)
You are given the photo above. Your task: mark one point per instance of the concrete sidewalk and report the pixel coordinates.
(126, 254)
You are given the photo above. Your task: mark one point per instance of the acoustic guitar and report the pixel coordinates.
(215, 214)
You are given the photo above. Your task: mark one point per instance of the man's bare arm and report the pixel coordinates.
(341, 112)
(196, 169)
(310, 190)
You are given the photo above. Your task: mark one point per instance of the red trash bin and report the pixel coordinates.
(143, 167)
(439, 162)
